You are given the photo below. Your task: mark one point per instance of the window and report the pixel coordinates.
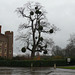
(5, 49)
(1, 43)
(5, 44)
(9, 51)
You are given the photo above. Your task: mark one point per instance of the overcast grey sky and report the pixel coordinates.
(59, 12)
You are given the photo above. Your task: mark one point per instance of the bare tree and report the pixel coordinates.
(70, 49)
(35, 27)
(57, 51)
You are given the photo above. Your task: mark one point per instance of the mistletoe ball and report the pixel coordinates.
(23, 49)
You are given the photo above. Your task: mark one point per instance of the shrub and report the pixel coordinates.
(35, 63)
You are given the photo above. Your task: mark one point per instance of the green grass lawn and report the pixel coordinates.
(67, 67)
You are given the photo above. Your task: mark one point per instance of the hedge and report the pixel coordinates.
(35, 63)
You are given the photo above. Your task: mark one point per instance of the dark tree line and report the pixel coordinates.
(69, 51)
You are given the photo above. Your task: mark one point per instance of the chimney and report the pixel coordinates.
(0, 29)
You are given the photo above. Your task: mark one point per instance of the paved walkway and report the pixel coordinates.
(58, 71)
(35, 71)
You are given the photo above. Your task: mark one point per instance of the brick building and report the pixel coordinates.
(6, 44)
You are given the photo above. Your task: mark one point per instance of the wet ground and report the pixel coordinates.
(35, 71)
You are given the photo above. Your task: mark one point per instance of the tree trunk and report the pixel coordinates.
(32, 54)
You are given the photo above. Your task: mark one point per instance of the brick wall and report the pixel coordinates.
(6, 44)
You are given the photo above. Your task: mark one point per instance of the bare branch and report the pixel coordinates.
(23, 26)
(28, 45)
(21, 11)
(45, 31)
(29, 49)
